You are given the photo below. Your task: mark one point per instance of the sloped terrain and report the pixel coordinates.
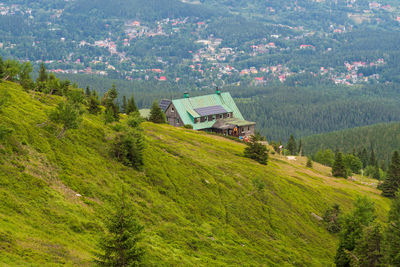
(201, 202)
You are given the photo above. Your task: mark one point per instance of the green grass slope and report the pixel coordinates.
(384, 138)
(201, 202)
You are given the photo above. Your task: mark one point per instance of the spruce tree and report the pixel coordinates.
(120, 244)
(1, 68)
(367, 251)
(25, 76)
(377, 173)
(391, 246)
(352, 227)
(392, 182)
(124, 104)
(156, 114)
(256, 150)
(109, 101)
(363, 155)
(338, 168)
(309, 163)
(67, 115)
(94, 103)
(87, 91)
(372, 158)
(291, 145)
(131, 106)
(43, 76)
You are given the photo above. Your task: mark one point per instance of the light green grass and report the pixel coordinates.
(197, 196)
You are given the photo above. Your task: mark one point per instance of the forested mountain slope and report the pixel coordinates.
(383, 138)
(201, 202)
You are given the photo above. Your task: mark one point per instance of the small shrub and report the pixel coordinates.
(331, 219)
(188, 126)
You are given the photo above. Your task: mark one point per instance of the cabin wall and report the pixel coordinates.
(173, 117)
(247, 130)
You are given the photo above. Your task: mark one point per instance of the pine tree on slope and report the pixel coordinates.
(156, 114)
(392, 181)
(338, 168)
(391, 246)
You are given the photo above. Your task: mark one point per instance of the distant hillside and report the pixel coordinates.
(201, 202)
(384, 138)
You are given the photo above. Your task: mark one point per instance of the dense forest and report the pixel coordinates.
(383, 138)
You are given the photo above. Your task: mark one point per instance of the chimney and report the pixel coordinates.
(217, 91)
(185, 95)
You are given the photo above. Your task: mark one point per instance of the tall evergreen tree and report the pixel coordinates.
(372, 158)
(391, 246)
(352, 227)
(156, 114)
(392, 182)
(377, 173)
(363, 155)
(112, 108)
(338, 168)
(124, 104)
(120, 245)
(25, 76)
(291, 145)
(43, 76)
(1, 68)
(131, 106)
(94, 103)
(367, 251)
(88, 92)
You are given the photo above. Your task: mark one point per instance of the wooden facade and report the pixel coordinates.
(173, 117)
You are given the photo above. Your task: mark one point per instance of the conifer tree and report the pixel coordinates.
(392, 182)
(367, 251)
(87, 91)
(363, 155)
(94, 103)
(309, 163)
(156, 114)
(372, 158)
(338, 168)
(1, 68)
(67, 115)
(291, 145)
(109, 101)
(392, 234)
(376, 174)
(256, 150)
(352, 226)
(124, 104)
(120, 244)
(43, 76)
(131, 106)
(25, 76)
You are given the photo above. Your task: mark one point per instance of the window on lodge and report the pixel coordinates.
(172, 110)
(196, 120)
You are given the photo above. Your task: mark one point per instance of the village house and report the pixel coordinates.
(213, 113)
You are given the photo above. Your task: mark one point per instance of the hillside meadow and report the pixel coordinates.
(201, 202)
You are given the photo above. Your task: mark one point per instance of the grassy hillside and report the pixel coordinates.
(201, 202)
(384, 138)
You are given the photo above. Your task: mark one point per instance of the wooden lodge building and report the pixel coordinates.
(215, 112)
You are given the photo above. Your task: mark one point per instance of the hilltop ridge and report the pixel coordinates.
(201, 202)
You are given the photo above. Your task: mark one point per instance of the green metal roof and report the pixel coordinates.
(186, 108)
